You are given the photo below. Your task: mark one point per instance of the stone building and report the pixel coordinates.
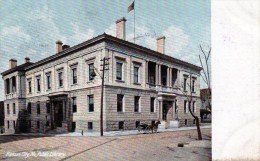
(61, 93)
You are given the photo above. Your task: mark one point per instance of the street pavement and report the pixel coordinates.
(161, 146)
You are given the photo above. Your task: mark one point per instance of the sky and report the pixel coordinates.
(31, 28)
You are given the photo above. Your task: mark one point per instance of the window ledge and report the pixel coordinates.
(38, 92)
(48, 90)
(120, 112)
(60, 87)
(137, 84)
(74, 84)
(120, 81)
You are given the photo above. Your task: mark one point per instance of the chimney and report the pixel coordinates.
(120, 28)
(65, 47)
(161, 44)
(58, 46)
(26, 60)
(12, 63)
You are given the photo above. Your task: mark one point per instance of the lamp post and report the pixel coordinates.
(104, 64)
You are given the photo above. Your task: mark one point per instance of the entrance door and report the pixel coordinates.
(165, 111)
(58, 118)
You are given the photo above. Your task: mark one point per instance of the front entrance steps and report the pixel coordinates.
(59, 130)
(169, 124)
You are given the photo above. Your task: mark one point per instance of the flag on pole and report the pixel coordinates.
(131, 7)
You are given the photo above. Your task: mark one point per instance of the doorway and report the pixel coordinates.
(58, 117)
(165, 111)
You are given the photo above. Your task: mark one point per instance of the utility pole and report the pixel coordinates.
(105, 67)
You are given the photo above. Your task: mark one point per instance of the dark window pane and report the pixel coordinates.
(136, 103)
(29, 106)
(120, 103)
(60, 79)
(74, 75)
(119, 71)
(152, 104)
(91, 71)
(48, 81)
(48, 108)
(90, 125)
(38, 109)
(136, 74)
(90, 103)
(137, 123)
(14, 110)
(121, 125)
(74, 104)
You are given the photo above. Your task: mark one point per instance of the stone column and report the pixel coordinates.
(159, 74)
(146, 72)
(170, 77)
(160, 109)
(156, 74)
(10, 85)
(178, 79)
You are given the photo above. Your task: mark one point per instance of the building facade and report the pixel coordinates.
(62, 93)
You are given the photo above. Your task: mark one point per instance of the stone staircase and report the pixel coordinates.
(169, 124)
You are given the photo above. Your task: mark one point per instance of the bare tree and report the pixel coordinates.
(205, 75)
(189, 97)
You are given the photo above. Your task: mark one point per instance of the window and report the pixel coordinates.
(120, 98)
(185, 107)
(14, 124)
(13, 84)
(38, 108)
(194, 121)
(192, 87)
(74, 76)
(60, 78)
(29, 108)
(119, 70)
(74, 104)
(38, 124)
(8, 109)
(121, 125)
(152, 104)
(184, 85)
(194, 107)
(91, 71)
(90, 125)
(137, 98)
(153, 123)
(136, 79)
(38, 82)
(48, 108)
(30, 86)
(8, 124)
(90, 103)
(14, 110)
(186, 121)
(137, 123)
(29, 124)
(48, 81)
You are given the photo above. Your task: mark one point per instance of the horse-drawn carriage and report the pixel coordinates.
(146, 127)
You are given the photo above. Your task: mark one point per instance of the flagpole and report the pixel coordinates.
(134, 21)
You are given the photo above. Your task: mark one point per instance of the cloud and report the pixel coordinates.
(176, 40)
(111, 30)
(80, 36)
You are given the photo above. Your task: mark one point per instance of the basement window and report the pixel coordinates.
(121, 125)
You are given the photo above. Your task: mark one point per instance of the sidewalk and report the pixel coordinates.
(110, 133)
